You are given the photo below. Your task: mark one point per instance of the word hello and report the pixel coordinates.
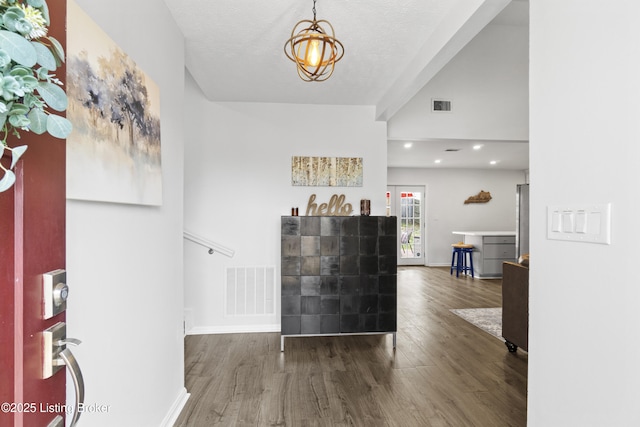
(335, 207)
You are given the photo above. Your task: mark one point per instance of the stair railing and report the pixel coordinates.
(212, 246)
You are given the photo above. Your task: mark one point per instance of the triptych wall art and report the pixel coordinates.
(114, 151)
(326, 171)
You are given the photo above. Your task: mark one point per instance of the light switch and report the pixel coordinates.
(581, 221)
(567, 221)
(594, 222)
(587, 223)
(555, 221)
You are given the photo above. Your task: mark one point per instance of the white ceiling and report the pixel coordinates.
(459, 153)
(235, 52)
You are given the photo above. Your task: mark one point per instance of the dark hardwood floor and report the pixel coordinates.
(444, 371)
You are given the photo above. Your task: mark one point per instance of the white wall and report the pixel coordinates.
(445, 211)
(124, 262)
(487, 84)
(238, 184)
(585, 110)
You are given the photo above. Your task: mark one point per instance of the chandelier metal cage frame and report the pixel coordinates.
(314, 48)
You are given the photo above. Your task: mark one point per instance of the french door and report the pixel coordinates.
(407, 203)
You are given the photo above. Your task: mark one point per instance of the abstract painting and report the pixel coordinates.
(114, 151)
(326, 171)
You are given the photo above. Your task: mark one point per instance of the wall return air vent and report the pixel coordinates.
(439, 105)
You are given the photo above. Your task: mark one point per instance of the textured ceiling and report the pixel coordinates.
(235, 48)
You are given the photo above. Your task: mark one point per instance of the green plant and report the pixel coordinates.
(28, 89)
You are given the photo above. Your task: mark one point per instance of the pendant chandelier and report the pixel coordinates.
(314, 48)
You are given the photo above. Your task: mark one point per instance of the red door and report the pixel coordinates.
(32, 242)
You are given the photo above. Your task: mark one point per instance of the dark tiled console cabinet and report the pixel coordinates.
(338, 275)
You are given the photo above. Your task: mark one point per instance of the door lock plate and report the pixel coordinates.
(52, 339)
(55, 292)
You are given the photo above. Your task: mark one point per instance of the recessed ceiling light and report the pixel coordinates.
(477, 146)
(493, 162)
(408, 144)
(437, 161)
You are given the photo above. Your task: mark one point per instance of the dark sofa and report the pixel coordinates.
(515, 304)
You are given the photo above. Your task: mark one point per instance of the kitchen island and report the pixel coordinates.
(491, 249)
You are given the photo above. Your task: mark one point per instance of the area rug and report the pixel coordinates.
(487, 319)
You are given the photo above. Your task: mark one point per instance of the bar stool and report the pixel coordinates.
(459, 258)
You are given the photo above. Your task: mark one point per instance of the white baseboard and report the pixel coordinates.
(235, 329)
(176, 408)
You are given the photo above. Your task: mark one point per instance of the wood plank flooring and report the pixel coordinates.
(444, 371)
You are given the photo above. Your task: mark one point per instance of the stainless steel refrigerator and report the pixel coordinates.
(522, 219)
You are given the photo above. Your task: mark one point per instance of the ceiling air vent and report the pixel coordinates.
(441, 105)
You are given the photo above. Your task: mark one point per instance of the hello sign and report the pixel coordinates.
(335, 207)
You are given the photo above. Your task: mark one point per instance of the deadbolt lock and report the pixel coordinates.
(55, 292)
(60, 294)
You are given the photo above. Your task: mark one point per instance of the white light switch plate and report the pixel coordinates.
(588, 223)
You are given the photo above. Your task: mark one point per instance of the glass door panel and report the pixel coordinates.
(407, 203)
